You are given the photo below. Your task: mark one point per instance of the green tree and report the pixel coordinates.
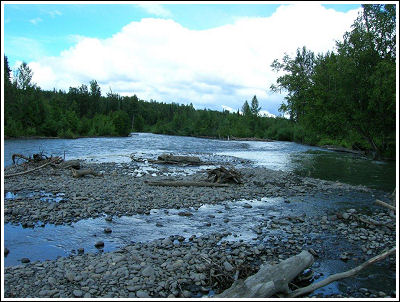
(255, 108)
(23, 77)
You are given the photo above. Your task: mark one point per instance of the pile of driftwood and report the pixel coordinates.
(223, 175)
(222, 178)
(39, 161)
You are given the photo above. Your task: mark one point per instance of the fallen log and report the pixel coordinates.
(35, 169)
(177, 159)
(185, 184)
(76, 164)
(270, 279)
(80, 173)
(386, 205)
(335, 277)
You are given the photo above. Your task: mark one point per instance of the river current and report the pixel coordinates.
(286, 156)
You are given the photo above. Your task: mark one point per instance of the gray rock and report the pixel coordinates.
(25, 260)
(228, 267)
(70, 276)
(77, 293)
(99, 244)
(148, 271)
(142, 294)
(107, 230)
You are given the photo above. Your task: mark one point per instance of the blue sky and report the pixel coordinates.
(45, 35)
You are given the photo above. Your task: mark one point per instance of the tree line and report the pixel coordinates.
(345, 97)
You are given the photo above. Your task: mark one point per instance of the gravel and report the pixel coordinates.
(174, 267)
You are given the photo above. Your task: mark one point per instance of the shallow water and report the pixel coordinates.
(239, 218)
(286, 156)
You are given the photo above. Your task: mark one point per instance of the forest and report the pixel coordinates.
(345, 97)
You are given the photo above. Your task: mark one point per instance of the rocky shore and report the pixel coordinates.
(176, 266)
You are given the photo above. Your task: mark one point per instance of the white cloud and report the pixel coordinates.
(161, 60)
(155, 9)
(35, 20)
(54, 13)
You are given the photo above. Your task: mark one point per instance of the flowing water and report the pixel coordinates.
(50, 241)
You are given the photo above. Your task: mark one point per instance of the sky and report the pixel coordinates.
(214, 55)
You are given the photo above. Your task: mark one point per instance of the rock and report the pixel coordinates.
(70, 276)
(25, 260)
(108, 218)
(99, 244)
(77, 293)
(107, 230)
(345, 216)
(142, 294)
(185, 213)
(248, 206)
(148, 271)
(81, 250)
(6, 251)
(228, 267)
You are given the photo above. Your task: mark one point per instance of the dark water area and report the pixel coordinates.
(286, 156)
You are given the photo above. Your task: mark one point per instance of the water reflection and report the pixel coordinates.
(345, 168)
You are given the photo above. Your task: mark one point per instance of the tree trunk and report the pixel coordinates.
(270, 280)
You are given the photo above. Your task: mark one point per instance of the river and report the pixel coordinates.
(286, 156)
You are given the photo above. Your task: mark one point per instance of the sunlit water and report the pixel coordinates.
(286, 156)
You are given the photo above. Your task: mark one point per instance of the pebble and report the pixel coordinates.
(99, 244)
(153, 269)
(77, 293)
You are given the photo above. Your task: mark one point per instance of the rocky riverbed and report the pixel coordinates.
(179, 266)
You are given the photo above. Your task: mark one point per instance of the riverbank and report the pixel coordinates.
(181, 266)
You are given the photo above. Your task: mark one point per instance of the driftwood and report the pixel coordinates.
(35, 169)
(76, 164)
(177, 160)
(185, 184)
(223, 175)
(386, 205)
(335, 277)
(270, 280)
(80, 173)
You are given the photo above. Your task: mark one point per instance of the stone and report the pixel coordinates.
(228, 267)
(77, 293)
(25, 260)
(107, 230)
(70, 276)
(148, 271)
(185, 213)
(142, 294)
(99, 244)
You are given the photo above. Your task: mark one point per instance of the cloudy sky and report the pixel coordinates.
(211, 55)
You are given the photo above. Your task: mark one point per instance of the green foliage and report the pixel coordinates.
(351, 91)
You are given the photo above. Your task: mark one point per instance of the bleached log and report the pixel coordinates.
(386, 205)
(270, 279)
(335, 277)
(76, 164)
